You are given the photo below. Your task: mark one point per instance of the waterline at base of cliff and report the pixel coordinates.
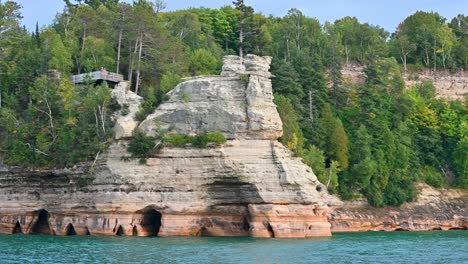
(367, 247)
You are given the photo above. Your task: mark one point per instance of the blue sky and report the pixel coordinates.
(385, 13)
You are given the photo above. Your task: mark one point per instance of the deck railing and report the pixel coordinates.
(97, 75)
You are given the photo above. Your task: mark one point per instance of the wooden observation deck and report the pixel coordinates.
(96, 76)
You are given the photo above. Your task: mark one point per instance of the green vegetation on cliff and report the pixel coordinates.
(374, 139)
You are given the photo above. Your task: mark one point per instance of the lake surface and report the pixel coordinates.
(369, 247)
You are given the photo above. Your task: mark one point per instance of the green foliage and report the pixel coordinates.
(147, 108)
(374, 139)
(432, 176)
(141, 145)
(169, 80)
(200, 141)
(216, 138)
(244, 79)
(54, 124)
(292, 134)
(202, 62)
(460, 162)
(179, 140)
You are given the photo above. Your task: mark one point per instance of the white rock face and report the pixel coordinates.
(239, 103)
(125, 124)
(451, 86)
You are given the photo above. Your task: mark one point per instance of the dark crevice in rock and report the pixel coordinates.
(17, 229)
(203, 232)
(246, 224)
(120, 231)
(70, 230)
(401, 229)
(458, 228)
(41, 226)
(150, 222)
(269, 229)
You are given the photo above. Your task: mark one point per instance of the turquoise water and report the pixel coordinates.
(370, 247)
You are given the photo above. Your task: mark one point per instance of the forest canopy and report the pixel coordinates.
(374, 139)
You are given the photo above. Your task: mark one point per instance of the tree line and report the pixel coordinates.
(373, 140)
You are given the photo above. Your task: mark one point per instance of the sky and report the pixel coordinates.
(385, 13)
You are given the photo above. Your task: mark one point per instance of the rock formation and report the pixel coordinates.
(451, 86)
(435, 209)
(125, 123)
(251, 185)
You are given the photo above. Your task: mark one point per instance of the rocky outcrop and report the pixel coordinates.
(451, 86)
(239, 103)
(435, 209)
(251, 185)
(130, 102)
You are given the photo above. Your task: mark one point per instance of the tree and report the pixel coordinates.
(245, 20)
(169, 80)
(459, 25)
(446, 40)
(403, 47)
(421, 29)
(97, 3)
(336, 138)
(292, 135)
(202, 62)
(315, 158)
(97, 54)
(286, 83)
(56, 54)
(9, 31)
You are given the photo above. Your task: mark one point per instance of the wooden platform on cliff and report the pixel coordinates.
(96, 76)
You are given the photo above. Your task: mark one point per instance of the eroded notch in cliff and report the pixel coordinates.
(17, 229)
(120, 231)
(150, 222)
(70, 230)
(269, 229)
(41, 226)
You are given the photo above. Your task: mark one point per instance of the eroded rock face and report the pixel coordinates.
(251, 185)
(239, 103)
(434, 210)
(451, 86)
(125, 123)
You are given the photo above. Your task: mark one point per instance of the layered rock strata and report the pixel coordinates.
(451, 86)
(249, 186)
(434, 209)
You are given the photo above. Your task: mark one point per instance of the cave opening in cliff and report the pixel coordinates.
(41, 226)
(458, 228)
(120, 231)
(203, 232)
(70, 230)
(17, 229)
(151, 222)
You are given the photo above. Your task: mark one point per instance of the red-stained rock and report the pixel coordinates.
(288, 221)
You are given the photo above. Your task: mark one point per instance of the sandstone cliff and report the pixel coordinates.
(451, 86)
(434, 209)
(249, 186)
